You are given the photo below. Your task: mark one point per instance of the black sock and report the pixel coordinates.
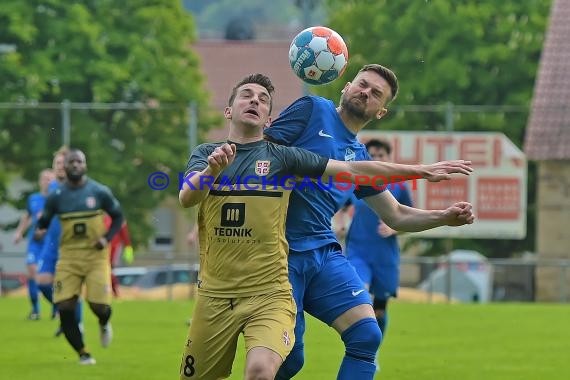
(105, 315)
(71, 329)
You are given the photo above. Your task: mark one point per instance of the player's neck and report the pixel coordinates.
(245, 134)
(352, 124)
(74, 183)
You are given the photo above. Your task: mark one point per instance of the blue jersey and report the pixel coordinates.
(36, 202)
(363, 238)
(314, 124)
(53, 232)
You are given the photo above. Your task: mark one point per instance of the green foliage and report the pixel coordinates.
(137, 53)
(459, 52)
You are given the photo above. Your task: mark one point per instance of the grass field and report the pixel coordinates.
(455, 342)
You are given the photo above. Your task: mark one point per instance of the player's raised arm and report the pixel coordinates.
(409, 219)
(434, 172)
(194, 188)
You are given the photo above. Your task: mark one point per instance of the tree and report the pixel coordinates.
(137, 52)
(463, 52)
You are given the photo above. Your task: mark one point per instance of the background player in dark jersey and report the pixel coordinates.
(34, 208)
(81, 203)
(372, 246)
(324, 284)
(243, 283)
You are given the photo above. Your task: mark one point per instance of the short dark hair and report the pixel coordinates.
(385, 73)
(380, 144)
(259, 79)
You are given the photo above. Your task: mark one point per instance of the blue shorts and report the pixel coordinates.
(49, 255)
(34, 252)
(324, 284)
(383, 280)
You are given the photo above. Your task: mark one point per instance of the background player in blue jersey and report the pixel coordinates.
(324, 284)
(372, 246)
(48, 255)
(28, 222)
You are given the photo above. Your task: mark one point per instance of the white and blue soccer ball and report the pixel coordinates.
(318, 55)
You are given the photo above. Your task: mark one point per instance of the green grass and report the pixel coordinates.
(455, 342)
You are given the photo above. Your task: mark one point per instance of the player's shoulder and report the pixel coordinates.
(96, 186)
(36, 196)
(208, 147)
(278, 149)
(320, 101)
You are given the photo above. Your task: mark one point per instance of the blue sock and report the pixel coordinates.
(361, 340)
(47, 291)
(33, 293)
(79, 311)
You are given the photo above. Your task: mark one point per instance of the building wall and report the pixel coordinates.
(553, 228)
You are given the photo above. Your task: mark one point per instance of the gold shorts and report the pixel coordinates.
(266, 320)
(75, 268)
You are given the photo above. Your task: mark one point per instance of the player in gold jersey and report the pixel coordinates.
(243, 285)
(81, 203)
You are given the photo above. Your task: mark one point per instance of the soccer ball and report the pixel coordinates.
(318, 55)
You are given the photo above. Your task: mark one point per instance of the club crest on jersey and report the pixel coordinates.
(90, 202)
(286, 339)
(349, 155)
(262, 167)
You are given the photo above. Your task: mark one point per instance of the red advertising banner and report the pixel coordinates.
(497, 188)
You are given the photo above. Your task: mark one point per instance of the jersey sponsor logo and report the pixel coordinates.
(262, 167)
(90, 202)
(232, 232)
(357, 292)
(323, 134)
(233, 215)
(349, 155)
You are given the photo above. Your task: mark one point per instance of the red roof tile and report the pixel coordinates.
(227, 62)
(548, 130)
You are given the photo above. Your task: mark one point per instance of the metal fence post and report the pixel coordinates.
(563, 292)
(66, 122)
(192, 127)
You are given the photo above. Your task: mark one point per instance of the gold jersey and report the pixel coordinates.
(243, 250)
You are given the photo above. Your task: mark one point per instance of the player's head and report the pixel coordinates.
(366, 97)
(44, 179)
(58, 164)
(379, 150)
(251, 101)
(75, 165)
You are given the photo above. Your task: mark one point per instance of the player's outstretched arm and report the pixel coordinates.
(218, 160)
(410, 219)
(434, 172)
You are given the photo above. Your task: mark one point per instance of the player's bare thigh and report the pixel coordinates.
(44, 278)
(351, 316)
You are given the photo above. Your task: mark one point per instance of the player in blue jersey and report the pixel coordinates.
(324, 284)
(48, 255)
(372, 246)
(28, 221)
